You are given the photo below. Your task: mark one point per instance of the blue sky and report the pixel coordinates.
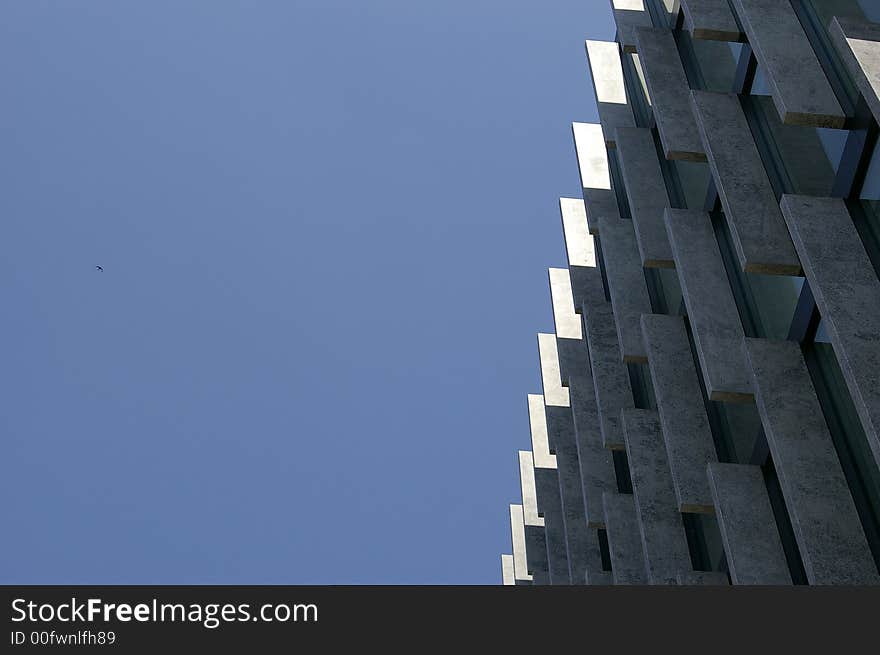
(325, 228)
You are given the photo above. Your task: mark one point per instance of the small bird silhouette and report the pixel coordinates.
(100, 268)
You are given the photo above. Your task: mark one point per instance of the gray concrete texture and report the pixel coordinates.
(800, 90)
(686, 433)
(847, 292)
(712, 312)
(669, 89)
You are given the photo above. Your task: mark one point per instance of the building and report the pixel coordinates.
(711, 397)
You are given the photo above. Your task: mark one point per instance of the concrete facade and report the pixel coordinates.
(678, 439)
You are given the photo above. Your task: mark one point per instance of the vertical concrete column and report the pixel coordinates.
(518, 537)
(596, 467)
(847, 293)
(646, 194)
(660, 524)
(758, 230)
(858, 43)
(610, 378)
(589, 145)
(561, 430)
(713, 315)
(798, 85)
(686, 433)
(669, 93)
(624, 541)
(710, 19)
(528, 489)
(626, 285)
(560, 427)
(547, 494)
(748, 528)
(609, 88)
(628, 16)
(555, 395)
(823, 515)
(596, 464)
(643, 83)
(586, 279)
(536, 541)
(507, 574)
(568, 322)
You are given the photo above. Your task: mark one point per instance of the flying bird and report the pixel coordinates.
(100, 268)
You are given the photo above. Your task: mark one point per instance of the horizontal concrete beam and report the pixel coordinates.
(823, 515)
(669, 93)
(757, 228)
(660, 524)
(797, 83)
(610, 378)
(847, 293)
(592, 158)
(609, 88)
(626, 285)
(686, 432)
(717, 329)
(646, 194)
(748, 528)
(624, 540)
(711, 20)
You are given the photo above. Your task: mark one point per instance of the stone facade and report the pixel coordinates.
(710, 397)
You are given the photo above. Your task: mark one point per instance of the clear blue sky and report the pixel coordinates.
(325, 228)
